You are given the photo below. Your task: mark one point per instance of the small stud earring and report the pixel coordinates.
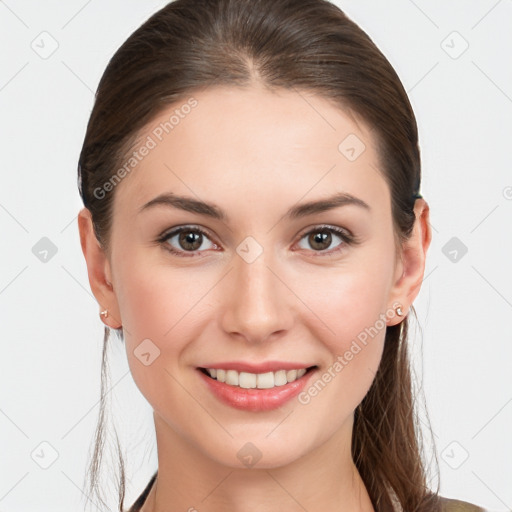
(399, 311)
(104, 313)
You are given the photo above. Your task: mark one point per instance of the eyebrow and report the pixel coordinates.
(192, 205)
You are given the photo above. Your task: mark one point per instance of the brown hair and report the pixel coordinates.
(305, 45)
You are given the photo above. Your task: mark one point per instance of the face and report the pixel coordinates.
(256, 282)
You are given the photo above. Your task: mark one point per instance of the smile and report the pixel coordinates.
(248, 380)
(256, 391)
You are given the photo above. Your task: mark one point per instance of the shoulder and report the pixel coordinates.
(455, 505)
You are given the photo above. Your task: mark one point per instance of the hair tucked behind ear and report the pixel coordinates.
(307, 45)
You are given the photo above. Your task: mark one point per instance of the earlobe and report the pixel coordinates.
(98, 270)
(412, 264)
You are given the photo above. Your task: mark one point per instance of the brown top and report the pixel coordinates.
(447, 504)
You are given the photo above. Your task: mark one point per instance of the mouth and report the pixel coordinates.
(248, 380)
(255, 392)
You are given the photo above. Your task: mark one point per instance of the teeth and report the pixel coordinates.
(266, 380)
(232, 377)
(256, 380)
(291, 375)
(247, 380)
(280, 378)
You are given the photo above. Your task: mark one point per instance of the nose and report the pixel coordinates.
(256, 302)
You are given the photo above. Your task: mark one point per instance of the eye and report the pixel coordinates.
(321, 237)
(188, 239)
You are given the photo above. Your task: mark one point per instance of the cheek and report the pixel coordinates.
(349, 306)
(153, 304)
(153, 299)
(354, 310)
(348, 303)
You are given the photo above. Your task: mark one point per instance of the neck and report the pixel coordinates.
(324, 479)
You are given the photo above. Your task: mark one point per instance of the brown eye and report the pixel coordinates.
(185, 240)
(320, 239)
(190, 240)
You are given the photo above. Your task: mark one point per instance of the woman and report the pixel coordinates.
(254, 232)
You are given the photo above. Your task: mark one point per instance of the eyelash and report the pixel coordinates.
(347, 238)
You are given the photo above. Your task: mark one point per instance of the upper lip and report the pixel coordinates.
(267, 366)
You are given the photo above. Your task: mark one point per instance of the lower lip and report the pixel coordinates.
(256, 399)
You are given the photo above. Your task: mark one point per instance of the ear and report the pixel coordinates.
(410, 266)
(98, 270)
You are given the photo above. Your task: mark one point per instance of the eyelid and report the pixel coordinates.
(178, 229)
(319, 227)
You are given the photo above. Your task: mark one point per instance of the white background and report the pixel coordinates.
(51, 331)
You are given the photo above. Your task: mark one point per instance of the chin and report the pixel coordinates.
(260, 450)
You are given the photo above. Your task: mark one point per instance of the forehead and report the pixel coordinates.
(251, 144)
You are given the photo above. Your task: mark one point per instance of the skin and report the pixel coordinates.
(255, 153)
